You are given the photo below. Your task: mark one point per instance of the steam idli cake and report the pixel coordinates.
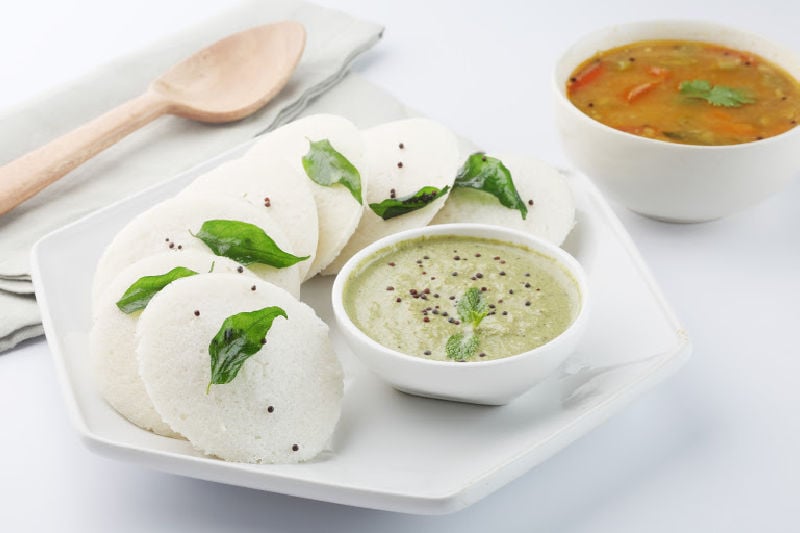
(517, 192)
(243, 370)
(274, 186)
(410, 167)
(196, 222)
(328, 151)
(111, 341)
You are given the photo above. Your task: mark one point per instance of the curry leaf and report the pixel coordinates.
(325, 166)
(392, 207)
(716, 95)
(244, 243)
(490, 175)
(472, 307)
(460, 347)
(138, 295)
(240, 336)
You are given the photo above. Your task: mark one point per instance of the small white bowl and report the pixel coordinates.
(668, 181)
(494, 382)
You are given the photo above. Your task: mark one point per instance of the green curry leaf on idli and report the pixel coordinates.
(490, 175)
(245, 243)
(325, 166)
(240, 336)
(139, 294)
(393, 207)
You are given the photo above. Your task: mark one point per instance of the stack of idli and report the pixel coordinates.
(296, 366)
(273, 187)
(111, 342)
(338, 212)
(170, 225)
(542, 188)
(153, 365)
(401, 158)
(283, 405)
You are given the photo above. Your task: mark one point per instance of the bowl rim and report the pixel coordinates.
(558, 85)
(556, 253)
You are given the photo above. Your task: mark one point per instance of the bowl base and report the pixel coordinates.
(674, 220)
(495, 402)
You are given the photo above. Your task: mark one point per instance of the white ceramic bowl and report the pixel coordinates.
(494, 382)
(667, 181)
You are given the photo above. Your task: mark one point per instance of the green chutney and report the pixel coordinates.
(404, 297)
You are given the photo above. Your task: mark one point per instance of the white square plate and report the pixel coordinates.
(390, 451)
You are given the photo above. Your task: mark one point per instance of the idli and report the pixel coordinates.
(112, 339)
(285, 401)
(544, 191)
(167, 226)
(338, 212)
(273, 185)
(403, 157)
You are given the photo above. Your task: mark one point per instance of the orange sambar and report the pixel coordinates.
(646, 88)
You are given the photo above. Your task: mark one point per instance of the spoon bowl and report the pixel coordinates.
(224, 82)
(235, 76)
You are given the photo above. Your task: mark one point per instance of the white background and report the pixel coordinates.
(715, 448)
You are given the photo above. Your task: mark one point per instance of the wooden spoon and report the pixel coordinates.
(227, 81)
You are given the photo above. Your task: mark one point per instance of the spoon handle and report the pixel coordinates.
(24, 177)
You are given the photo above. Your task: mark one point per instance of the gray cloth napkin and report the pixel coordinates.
(161, 149)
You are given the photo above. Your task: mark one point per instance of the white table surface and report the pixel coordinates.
(715, 448)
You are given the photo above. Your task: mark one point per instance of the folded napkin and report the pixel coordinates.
(160, 150)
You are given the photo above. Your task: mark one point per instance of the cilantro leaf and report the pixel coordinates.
(139, 294)
(490, 175)
(392, 207)
(460, 347)
(716, 95)
(325, 166)
(472, 307)
(244, 243)
(240, 336)
(695, 88)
